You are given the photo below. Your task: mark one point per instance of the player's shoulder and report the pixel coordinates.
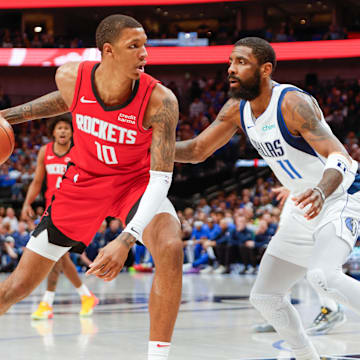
(42, 152)
(161, 93)
(68, 71)
(230, 111)
(296, 97)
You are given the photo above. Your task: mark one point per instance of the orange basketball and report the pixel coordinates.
(7, 140)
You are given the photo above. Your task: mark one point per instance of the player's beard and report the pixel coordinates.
(247, 90)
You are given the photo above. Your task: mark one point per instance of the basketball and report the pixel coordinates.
(7, 140)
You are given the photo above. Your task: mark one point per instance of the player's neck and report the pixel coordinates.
(60, 149)
(112, 87)
(259, 105)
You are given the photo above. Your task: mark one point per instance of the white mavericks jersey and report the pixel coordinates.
(294, 162)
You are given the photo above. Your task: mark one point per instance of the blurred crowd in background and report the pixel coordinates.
(228, 228)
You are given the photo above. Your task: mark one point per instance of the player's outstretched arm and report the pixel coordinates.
(212, 138)
(303, 117)
(49, 105)
(35, 186)
(45, 106)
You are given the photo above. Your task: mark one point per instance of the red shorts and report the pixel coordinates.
(84, 201)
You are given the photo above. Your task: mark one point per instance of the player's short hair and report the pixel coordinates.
(110, 28)
(64, 117)
(261, 49)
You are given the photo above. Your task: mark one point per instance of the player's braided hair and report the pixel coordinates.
(110, 28)
(261, 49)
(64, 117)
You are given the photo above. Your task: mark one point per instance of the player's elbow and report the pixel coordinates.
(199, 154)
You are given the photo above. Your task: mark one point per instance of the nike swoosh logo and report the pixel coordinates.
(249, 127)
(134, 230)
(159, 345)
(86, 101)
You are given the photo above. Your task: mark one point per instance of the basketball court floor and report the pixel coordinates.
(215, 322)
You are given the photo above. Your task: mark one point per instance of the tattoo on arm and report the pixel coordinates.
(330, 181)
(311, 120)
(163, 140)
(46, 106)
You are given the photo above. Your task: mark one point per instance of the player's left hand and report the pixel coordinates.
(111, 259)
(312, 197)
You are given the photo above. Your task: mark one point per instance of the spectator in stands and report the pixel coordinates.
(11, 219)
(7, 244)
(244, 240)
(262, 238)
(4, 99)
(221, 242)
(196, 107)
(333, 33)
(21, 237)
(112, 231)
(90, 253)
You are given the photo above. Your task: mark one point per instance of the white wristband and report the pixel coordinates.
(341, 163)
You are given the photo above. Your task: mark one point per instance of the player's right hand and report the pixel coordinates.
(27, 212)
(111, 258)
(282, 194)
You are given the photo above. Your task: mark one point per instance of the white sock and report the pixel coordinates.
(158, 350)
(83, 290)
(49, 297)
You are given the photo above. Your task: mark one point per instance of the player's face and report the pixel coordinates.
(62, 133)
(130, 53)
(244, 74)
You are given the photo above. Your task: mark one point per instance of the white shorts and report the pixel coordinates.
(296, 236)
(41, 245)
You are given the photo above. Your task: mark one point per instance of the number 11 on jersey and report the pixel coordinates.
(106, 154)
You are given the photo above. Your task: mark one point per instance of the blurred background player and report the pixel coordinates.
(51, 165)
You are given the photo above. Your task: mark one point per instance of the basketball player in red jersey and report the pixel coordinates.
(51, 163)
(124, 134)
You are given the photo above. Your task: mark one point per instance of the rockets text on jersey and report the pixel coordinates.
(111, 140)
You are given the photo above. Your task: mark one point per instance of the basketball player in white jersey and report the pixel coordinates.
(320, 219)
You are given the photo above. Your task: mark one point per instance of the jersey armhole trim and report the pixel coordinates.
(142, 109)
(297, 142)
(242, 106)
(77, 87)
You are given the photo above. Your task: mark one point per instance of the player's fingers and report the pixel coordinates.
(111, 275)
(98, 263)
(276, 190)
(282, 201)
(313, 213)
(103, 270)
(309, 200)
(314, 210)
(298, 199)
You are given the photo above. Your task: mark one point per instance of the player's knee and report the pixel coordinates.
(18, 290)
(57, 268)
(272, 308)
(173, 249)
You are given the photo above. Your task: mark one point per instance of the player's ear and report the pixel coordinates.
(266, 69)
(107, 49)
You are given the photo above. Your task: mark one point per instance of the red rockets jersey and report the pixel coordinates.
(111, 140)
(55, 167)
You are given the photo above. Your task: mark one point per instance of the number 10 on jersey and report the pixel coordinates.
(106, 154)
